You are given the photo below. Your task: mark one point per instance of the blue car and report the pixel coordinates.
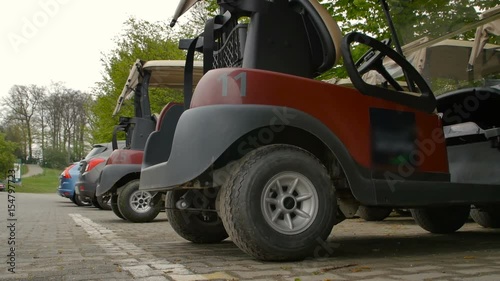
(67, 181)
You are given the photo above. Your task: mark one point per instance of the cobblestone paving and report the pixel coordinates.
(55, 240)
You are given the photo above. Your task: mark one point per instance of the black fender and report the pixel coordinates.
(204, 133)
(111, 174)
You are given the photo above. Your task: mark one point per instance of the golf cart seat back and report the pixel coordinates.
(479, 105)
(220, 46)
(136, 131)
(297, 37)
(226, 42)
(161, 140)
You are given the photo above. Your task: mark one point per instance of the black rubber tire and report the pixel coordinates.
(103, 202)
(114, 206)
(190, 225)
(441, 220)
(80, 202)
(241, 198)
(486, 217)
(72, 198)
(370, 213)
(95, 203)
(128, 212)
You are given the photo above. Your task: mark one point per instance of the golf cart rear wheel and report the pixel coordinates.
(138, 205)
(114, 205)
(279, 204)
(488, 217)
(441, 220)
(195, 226)
(369, 213)
(102, 202)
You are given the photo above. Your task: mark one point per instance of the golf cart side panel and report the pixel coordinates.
(200, 140)
(405, 193)
(335, 106)
(112, 174)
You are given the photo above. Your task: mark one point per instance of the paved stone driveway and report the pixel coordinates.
(55, 240)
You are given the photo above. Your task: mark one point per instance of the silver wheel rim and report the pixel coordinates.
(289, 203)
(140, 201)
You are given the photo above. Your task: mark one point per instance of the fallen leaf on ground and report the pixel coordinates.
(361, 268)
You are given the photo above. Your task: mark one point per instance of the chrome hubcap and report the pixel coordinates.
(140, 201)
(289, 203)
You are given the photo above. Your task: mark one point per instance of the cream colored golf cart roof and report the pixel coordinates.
(182, 7)
(164, 74)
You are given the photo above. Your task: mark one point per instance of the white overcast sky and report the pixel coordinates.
(62, 40)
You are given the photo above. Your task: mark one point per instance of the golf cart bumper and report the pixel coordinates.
(112, 174)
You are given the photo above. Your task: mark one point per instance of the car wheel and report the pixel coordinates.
(80, 202)
(195, 226)
(114, 205)
(488, 217)
(371, 213)
(279, 203)
(441, 220)
(138, 205)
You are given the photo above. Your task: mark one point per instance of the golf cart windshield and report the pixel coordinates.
(451, 44)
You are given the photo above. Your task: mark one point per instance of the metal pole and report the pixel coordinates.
(395, 38)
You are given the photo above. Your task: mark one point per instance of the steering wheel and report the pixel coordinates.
(372, 60)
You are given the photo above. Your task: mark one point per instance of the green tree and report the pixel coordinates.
(140, 40)
(13, 132)
(7, 157)
(55, 158)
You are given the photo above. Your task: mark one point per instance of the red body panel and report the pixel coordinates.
(125, 156)
(345, 111)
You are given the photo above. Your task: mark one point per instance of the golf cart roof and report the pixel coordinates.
(164, 74)
(182, 7)
(449, 59)
(170, 73)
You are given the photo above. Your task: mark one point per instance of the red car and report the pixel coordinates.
(2, 186)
